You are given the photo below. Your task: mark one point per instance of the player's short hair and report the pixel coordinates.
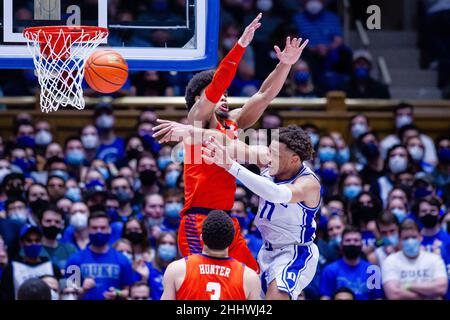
(194, 88)
(218, 230)
(297, 140)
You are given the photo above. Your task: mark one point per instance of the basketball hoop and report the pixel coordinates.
(59, 55)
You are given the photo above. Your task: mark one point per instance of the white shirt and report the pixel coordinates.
(427, 267)
(430, 151)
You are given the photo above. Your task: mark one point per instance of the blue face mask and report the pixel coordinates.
(167, 252)
(329, 176)
(243, 222)
(171, 178)
(74, 194)
(104, 172)
(399, 214)
(343, 156)
(351, 192)
(32, 251)
(326, 154)
(391, 240)
(362, 73)
(411, 247)
(314, 138)
(123, 196)
(26, 142)
(163, 162)
(75, 157)
(23, 164)
(421, 192)
(172, 210)
(302, 77)
(99, 239)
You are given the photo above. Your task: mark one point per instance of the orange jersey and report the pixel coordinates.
(208, 185)
(210, 278)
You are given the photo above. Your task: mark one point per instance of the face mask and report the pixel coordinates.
(3, 173)
(367, 213)
(362, 73)
(23, 164)
(429, 221)
(154, 222)
(89, 141)
(135, 237)
(358, 129)
(243, 222)
(147, 177)
(99, 239)
(351, 252)
(173, 209)
(343, 156)
(329, 176)
(171, 178)
(79, 220)
(327, 154)
(401, 121)
(314, 138)
(133, 153)
(150, 142)
(301, 77)
(400, 214)
(444, 155)
(421, 192)
(397, 164)
(26, 142)
(228, 43)
(59, 173)
(105, 121)
(43, 138)
(38, 205)
(20, 216)
(32, 251)
(74, 194)
(391, 240)
(75, 157)
(123, 196)
(163, 162)
(314, 7)
(335, 242)
(167, 252)
(350, 192)
(54, 294)
(370, 151)
(264, 5)
(416, 153)
(411, 247)
(51, 232)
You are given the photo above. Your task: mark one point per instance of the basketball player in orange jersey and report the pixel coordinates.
(208, 187)
(212, 275)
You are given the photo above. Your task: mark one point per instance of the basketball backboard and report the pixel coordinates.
(162, 35)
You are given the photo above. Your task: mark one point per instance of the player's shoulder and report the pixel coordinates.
(309, 180)
(250, 275)
(176, 267)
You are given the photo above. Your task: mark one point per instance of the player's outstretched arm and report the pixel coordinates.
(272, 86)
(203, 109)
(174, 272)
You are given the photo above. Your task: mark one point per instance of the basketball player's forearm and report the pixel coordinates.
(261, 186)
(272, 86)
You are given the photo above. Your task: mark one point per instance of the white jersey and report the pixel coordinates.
(286, 224)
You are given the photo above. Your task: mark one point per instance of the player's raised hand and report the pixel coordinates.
(292, 51)
(249, 32)
(168, 131)
(215, 153)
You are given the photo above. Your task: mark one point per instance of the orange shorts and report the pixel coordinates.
(189, 240)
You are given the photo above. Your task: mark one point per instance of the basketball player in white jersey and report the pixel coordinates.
(289, 200)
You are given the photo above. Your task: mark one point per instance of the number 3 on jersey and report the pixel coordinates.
(269, 207)
(214, 289)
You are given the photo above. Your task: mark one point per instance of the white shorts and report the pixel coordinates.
(293, 267)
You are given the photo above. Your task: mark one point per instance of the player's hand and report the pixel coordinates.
(292, 51)
(168, 131)
(249, 32)
(212, 152)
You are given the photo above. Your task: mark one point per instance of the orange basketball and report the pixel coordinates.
(106, 71)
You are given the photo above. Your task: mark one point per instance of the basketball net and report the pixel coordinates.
(59, 55)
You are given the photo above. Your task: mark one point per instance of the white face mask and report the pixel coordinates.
(20, 216)
(397, 164)
(314, 6)
(90, 141)
(79, 220)
(416, 153)
(401, 121)
(105, 121)
(43, 138)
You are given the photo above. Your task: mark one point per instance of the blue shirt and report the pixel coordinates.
(339, 274)
(155, 281)
(112, 152)
(110, 269)
(320, 29)
(442, 236)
